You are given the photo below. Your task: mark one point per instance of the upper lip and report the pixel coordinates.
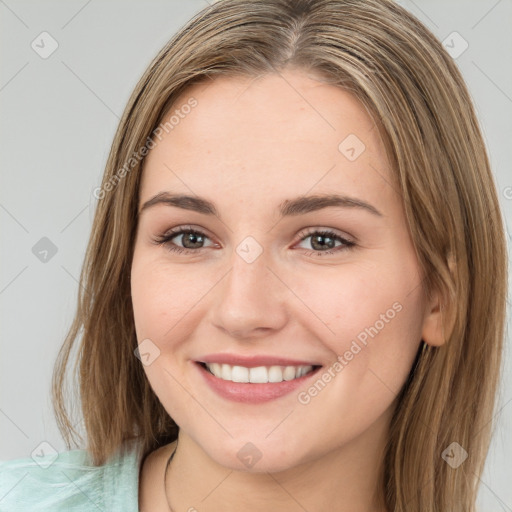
(253, 361)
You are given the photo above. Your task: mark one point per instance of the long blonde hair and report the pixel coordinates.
(403, 76)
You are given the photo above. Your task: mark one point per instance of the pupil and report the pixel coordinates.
(194, 240)
(317, 244)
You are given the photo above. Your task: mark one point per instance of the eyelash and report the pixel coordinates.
(165, 240)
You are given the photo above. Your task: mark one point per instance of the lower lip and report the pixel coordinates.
(252, 393)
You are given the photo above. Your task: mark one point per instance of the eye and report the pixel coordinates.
(324, 242)
(192, 240)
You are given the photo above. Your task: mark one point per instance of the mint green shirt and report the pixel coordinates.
(71, 483)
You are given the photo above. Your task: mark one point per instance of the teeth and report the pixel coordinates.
(290, 373)
(275, 374)
(239, 374)
(216, 369)
(225, 372)
(259, 374)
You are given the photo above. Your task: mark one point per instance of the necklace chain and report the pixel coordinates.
(165, 475)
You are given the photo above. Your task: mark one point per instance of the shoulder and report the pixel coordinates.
(69, 481)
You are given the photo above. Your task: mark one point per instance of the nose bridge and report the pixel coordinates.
(251, 299)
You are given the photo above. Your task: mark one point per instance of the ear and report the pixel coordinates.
(439, 317)
(433, 332)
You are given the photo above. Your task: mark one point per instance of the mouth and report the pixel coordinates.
(254, 380)
(258, 374)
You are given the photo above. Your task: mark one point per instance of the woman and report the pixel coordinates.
(296, 270)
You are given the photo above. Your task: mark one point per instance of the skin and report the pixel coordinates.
(248, 145)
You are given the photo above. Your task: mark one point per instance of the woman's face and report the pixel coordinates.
(259, 290)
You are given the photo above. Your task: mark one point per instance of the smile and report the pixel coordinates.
(259, 374)
(255, 379)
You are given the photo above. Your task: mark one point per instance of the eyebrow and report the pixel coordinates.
(289, 207)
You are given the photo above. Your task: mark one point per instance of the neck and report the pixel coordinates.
(347, 479)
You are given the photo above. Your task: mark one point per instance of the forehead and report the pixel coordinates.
(272, 136)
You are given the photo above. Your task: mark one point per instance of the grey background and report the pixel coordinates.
(58, 117)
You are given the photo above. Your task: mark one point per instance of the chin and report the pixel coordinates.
(265, 456)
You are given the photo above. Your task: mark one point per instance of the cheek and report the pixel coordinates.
(163, 299)
(370, 320)
(162, 296)
(377, 329)
(362, 302)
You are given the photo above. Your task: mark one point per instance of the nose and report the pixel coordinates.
(249, 302)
